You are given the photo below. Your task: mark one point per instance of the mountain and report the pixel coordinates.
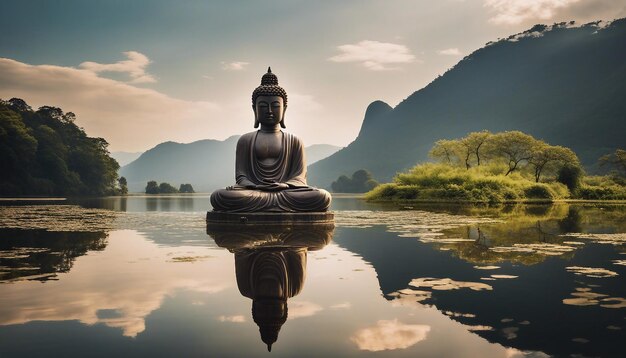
(317, 152)
(563, 84)
(205, 164)
(124, 158)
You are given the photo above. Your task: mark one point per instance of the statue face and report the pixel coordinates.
(269, 110)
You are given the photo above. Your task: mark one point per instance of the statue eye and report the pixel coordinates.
(276, 104)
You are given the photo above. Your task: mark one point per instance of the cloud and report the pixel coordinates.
(513, 12)
(128, 117)
(389, 335)
(450, 52)
(374, 55)
(234, 66)
(135, 67)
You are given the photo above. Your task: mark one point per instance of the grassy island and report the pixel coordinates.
(504, 167)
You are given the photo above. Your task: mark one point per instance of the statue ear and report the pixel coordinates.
(256, 118)
(282, 120)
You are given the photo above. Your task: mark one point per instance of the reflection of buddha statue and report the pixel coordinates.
(270, 266)
(270, 167)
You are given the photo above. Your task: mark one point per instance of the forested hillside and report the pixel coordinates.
(45, 153)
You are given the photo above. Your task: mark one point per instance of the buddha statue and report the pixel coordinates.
(270, 165)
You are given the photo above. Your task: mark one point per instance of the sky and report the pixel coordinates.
(139, 73)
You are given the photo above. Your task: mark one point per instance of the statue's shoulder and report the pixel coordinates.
(292, 138)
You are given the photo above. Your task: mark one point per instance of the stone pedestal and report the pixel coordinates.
(216, 218)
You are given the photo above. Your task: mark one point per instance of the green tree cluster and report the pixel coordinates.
(616, 162)
(45, 153)
(501, 167)
(186, 188)
(152, 187)
(360, 182)
(518, 151)
(123, 185)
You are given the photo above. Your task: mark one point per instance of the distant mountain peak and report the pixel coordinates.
(374, 112)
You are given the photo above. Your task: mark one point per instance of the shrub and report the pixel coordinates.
(571, 176)
(478, 184)
(539, 191)
(589, 192)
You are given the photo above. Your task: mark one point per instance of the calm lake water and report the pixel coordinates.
(143, 276)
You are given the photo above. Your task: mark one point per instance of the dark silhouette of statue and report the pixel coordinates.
(270, 167)
(270, 266)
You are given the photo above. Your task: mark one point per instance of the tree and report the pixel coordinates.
(472, 147)
(152, 187)
(186, 188)
(445, 151)
(475, 144)
(615, 161)
(19, 105)
(343, 184)
(167, 188)
(571, 176)
(550, 158)
(360, 182)
(123, 185)
(514, 147)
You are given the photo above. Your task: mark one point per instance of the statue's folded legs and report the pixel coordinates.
(296, 200)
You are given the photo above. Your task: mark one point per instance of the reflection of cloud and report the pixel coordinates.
(409, 297)
(374, 55)
(516, 353)
(131, 289)
(597, 272)
(503, 276)
(584, 297)
(339, 306)
(389, 335)
(539, 248)
(512, 12)
(302, 309)
(450, 52)
(234, 66)
(486, 267)
(233, 319)
(129, 117)
(445, 284)
(135, 67)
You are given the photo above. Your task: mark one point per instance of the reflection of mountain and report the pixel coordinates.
(525, 310)
(560, 83)
(40, 255)
(270, 265)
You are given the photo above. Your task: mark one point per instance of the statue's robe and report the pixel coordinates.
(289, 168)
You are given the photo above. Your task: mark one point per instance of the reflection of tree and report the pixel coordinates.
(571, 223)
(270, 265)
(40, 254)
(523, 224)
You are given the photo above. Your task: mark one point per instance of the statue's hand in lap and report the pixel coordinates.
(273, 187)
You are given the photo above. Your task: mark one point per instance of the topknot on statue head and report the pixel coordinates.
(269, 87)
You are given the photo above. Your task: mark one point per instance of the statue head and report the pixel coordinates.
(269, 101)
